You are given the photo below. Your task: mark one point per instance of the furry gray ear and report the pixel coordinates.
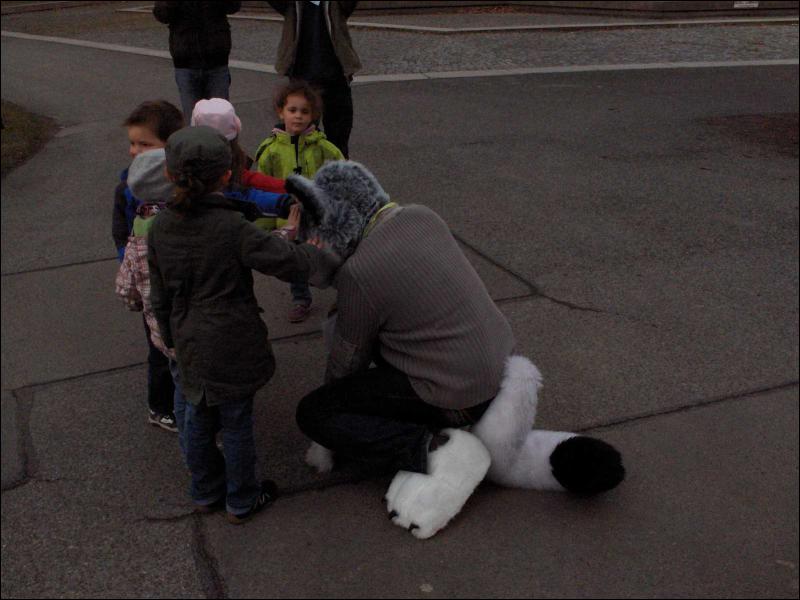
(310, 197)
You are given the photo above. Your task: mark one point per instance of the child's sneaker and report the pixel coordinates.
(299, 313)
(205, 509)
(164, 421)
(269, 491)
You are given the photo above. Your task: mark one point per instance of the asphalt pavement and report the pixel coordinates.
(637, 224)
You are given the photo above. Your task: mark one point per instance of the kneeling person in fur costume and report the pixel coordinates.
(410, 302)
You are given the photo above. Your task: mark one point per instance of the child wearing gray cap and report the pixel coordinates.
(148, 127)
(201, 253)
(149, 184)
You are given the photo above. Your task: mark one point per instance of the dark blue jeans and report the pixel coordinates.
(160, 389)
(197, 84)
(376, 418)
(337, 119)
(214, 476)
(301, 292)
(179, 406)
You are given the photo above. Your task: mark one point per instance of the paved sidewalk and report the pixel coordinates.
(478, 20)
(388, 52)
(637, 227)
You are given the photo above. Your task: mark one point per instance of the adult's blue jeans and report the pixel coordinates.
(215, 476)
(197, 84)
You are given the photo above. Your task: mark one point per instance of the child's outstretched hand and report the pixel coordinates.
(294, 216)
(289, 231)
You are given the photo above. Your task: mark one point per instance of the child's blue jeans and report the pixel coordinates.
(179, 406)
(214, 476)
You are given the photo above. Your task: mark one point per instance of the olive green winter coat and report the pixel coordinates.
(202, 295)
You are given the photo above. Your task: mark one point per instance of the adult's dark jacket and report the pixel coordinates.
(199, 32)
(202, 294)
(336, 15)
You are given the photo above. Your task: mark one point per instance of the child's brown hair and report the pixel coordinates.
(240, 162)
(299, 87)
(159, 116)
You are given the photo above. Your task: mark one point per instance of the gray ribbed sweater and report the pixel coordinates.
(409, 292)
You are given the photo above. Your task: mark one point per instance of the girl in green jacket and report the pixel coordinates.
(296, 147)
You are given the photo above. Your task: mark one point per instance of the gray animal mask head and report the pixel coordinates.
(338, 203)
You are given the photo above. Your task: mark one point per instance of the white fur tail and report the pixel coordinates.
(520, 457)
(530, 467)
(513, 411)
(537, 459)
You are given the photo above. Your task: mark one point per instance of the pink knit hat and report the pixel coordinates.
(218, 114)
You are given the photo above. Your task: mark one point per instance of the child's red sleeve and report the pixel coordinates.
(263, 182)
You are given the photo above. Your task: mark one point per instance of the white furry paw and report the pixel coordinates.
(424, 504)
(320, 458)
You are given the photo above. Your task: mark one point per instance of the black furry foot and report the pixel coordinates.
(585, 465)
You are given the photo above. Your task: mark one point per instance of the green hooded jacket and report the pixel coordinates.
(279, 157)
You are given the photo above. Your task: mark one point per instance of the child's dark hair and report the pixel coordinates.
(239, 163)
(160, 116)
(192, 186)
(301, 88)
(198, 160)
